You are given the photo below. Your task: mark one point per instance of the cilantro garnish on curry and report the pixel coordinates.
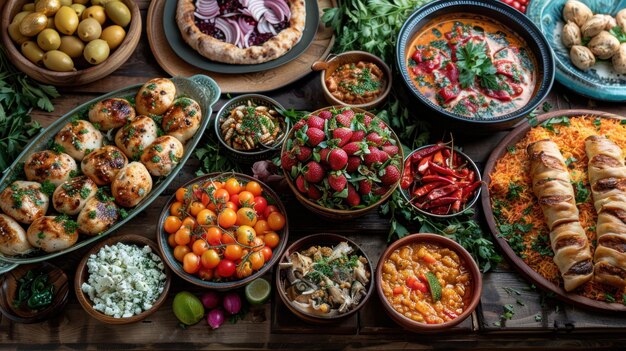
(474, 67)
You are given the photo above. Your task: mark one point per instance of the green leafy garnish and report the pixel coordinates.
(582, 193)
(619, 33)
(473, 62)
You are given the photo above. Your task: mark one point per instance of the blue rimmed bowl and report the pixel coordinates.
(600, 81)
(515, 21)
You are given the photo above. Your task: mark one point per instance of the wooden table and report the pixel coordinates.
(538, 323)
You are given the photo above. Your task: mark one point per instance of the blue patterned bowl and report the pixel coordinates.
(601, 81)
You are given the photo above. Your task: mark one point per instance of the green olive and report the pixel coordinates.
(96, 12)
(118, 12)
(59, 61)
(48, 7)
(66, 2)
(113, 35)
(49, 39)
(96, 51)
(72, 46)
(29, 7)
(33, 23)
(99, 2)
(14, 33)
(66, 20)
(89, 29)
(32, 52)
(20, 16)
(79, 8)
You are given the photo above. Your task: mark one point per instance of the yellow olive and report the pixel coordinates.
(66, 2)
(50, 23)
(89, 29)
(113, 35)
(99, 2)
(59, 61)
(79, 8)
(20, 16)
(96, 12)
(32, 52)
(118, 12)
(82, 2)
(49, 39)
(33, 23)
(96, 51)
(48, 7)
(14, 33)
(72, 46)
(29, 7)
(66, 20)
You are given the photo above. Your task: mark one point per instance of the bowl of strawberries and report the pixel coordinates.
(342, 162)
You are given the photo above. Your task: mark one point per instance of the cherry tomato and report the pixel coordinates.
(261, 227)
(214, 236)
(213, 185)
(189, 222)
(267, 253)
(195, 208)
(232, 205)
(227, 218)
(245, 235)
(235, 199)
(170, 240)
(269, 209)
(260, 203)
(233, 252)
(244, 270)
(221, 196)
(232, 186)
(257, 260)
(172, 223)
(183, 236)
(199, 247)
(257, 243)
(176, 209)
(254, 188)
(205, 273)
(206, 217)
(197, 191)
(180, 194)
(246, 199)
(210, 258)
(205, 199)
(191, 263)
(180, 251)
(225, 268)
(271, 239)
(246, 216)
(228, 238)
(276, 221)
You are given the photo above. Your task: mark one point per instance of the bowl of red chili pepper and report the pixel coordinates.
(440, 181)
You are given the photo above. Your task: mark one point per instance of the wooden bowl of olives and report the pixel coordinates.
(70, 42)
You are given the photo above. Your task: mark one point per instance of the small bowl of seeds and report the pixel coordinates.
(251, 128)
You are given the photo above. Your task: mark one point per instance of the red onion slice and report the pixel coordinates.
(257, 8)
(275, 13)
(237, 31)
(227, 29)
(263, 26)
(244, 25)
(246, 39)
(284, 6)
(244, 3)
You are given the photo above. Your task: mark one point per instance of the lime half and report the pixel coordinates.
(188, 308)
(258, 291)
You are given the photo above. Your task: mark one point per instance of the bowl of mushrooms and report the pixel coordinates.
(589, 41)
(251, 128)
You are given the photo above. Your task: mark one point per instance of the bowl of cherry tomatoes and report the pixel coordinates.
(222, 230)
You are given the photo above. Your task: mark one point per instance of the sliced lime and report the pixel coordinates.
(435, 287)
(258, 291)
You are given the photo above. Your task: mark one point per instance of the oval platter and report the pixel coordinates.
(601, 81)
(510, 140)
(200, 88)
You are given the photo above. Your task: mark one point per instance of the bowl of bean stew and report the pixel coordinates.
(427, 282)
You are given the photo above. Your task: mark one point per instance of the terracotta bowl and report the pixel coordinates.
(9, 284)
(80, 76)
(327, 68)
(331, 213)
(303, 244)
(82, 275)
(176, 266)
(476, 282)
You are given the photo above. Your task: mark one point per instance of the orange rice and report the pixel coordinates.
(513, 167)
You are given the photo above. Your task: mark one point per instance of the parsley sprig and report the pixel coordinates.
(473, 62)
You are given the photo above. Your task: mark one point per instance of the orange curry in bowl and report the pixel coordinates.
(356, 83)
(472, 66)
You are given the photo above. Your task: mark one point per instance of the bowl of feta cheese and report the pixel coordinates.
(122, 280)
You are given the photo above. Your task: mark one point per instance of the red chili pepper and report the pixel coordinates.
(436, 178)
(422, 277)
(440, 192)
(419, 192)
(407, 175)
(415, 284)
(445, 171)
(418, 155)
(446, 153)
(457, 160)
(445, 200)
(456, 206)
(471, 177)
(440, 210)
(469, 190)
(438, 158)
(423, 164)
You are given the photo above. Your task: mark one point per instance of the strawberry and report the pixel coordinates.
(352, 147)
(365, 186)
(391, 150)
(353, 164)
(337, 181)
(301, 123)
(337, 159)
(287, 161)
(380, 190)
(390, 175)
(374, 138)
(353, 198)
(343, 134)
(315, 122)
(326, 115)
(315, 135)
(358, 135)
(313, 172)
(348, 113)
(314, 193)
(301, 185)
(324, 155)
(302, 152)
(345, 119)
(382, 156)
(367, 120)
(372, 157)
